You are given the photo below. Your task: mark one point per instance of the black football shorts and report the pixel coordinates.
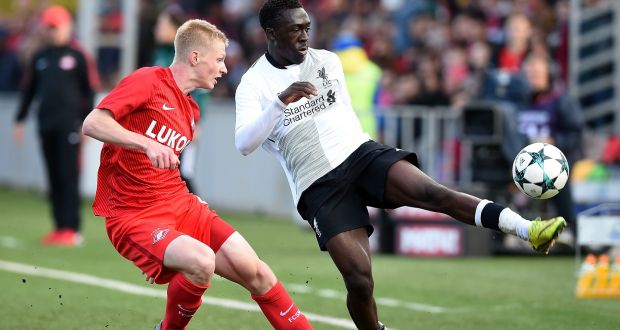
(337, 202)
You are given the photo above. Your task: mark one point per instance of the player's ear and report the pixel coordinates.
(193, 58)
(270, 33)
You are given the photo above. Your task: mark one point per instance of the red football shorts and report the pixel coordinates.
(143, 237)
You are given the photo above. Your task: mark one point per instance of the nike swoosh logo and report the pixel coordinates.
(288, 310)
(165, 107)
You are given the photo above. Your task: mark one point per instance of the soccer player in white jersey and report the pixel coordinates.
(293, 101)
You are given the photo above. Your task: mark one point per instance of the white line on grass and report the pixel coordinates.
(12, 242)
(151, 292)
(387, 302)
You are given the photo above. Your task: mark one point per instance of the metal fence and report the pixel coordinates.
(431, 132)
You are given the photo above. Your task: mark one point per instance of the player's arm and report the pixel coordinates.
(29, 86)
(101, 125)
(253, 125)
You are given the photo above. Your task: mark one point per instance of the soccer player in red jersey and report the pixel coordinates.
(151, 218)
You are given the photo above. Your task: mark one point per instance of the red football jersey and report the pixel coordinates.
(146, 102)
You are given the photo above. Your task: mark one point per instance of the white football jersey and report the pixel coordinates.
(312, 136)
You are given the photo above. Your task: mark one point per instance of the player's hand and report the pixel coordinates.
(18, 133)
(161, 156)
(148, 278)
(296, 91)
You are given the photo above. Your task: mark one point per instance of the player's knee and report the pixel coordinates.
(202, 267)
(359, 283)
(259, 278)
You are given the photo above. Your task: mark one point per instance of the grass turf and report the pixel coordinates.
(473, 293)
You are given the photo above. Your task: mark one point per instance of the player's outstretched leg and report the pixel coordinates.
(195, 263)
(350, 251)
(408, 186)
(237, 261)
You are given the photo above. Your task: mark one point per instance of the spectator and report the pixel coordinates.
(168, 21)
(510, 55)
(431, 89)
(478, 58)
(455, 72)
(63, 78)
(396, 35)
(552, 117)
(362, 78)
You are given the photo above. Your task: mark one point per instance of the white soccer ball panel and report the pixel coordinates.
(532, 190)
(561, 180)
(548, 194)
(523, 159)
(534, 147)
(553, 152)
(534, 173)
(553, 168)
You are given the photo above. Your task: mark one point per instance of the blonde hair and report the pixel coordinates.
(196, 33)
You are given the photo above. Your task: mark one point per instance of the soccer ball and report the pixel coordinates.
(540, 170)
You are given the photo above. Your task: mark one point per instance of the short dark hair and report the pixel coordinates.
(270, 12)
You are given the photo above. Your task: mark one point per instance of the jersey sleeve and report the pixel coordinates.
(131, 93)
(29, 86)
(253, 123)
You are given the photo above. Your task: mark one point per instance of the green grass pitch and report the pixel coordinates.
(412, 293)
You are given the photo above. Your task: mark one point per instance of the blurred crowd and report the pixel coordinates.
(429, 52)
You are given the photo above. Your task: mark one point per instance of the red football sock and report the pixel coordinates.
(184, 299)
(280, 309)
